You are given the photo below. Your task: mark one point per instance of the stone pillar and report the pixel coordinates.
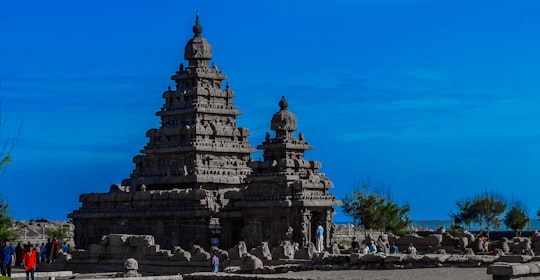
(306, 228)
(328, 227)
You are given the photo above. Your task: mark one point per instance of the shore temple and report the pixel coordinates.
(195, 181)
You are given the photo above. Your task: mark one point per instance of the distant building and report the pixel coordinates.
(195, 181)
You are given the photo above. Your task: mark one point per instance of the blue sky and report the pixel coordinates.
(432, 101)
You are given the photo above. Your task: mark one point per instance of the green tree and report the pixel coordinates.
(8, 139)
(60, 233)
(516, 219)
(376, 212)
(466, 214)
(6, 222)
(6, 145)
(490, 207)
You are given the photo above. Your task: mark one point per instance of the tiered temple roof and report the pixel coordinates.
(198, 142)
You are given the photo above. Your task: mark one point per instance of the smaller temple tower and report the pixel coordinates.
(286, 195)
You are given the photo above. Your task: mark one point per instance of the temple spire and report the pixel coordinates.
(197, 28)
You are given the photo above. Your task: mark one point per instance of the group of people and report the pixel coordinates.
(9, 256)
(28, 256)
(372, 248)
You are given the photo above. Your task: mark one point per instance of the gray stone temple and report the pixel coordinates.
(195, 181)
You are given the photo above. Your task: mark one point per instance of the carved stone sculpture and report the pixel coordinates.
(262, 251)
(130, 268)
(236, 252)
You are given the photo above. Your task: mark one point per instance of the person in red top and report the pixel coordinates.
(29, 262)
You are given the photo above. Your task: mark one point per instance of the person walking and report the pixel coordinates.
(19, 253)
(48, 250)
(43, 253)
(29, 260)
(8, 257)
(215, 262)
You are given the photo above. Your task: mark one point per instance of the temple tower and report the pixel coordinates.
(177, 191)
(198, 143)
(287, 195)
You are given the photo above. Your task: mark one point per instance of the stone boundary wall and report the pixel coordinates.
(114, 249)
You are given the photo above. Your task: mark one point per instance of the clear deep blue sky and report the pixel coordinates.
(432, 101)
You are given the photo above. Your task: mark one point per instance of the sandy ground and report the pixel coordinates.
(441, 273)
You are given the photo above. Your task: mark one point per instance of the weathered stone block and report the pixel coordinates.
(116, 250)
(498, 252)
(395, 258)
(262, 251)
(96, 249)
(304, 253)
(504, 244)
(284, 251)
(152, 250)
(181, 254)
(435, 258)
(320, 257)
(199, 254)
(118, 239)
(520, 245)
(470, 237)
(440, 251)
(141, 240)
(238, 251)
(251, 263)
(370, 258)
(511, 270)
(335, 249)
(449, 240)
(307, 252)
(80, 254)
(220, 253)
(63, 257)
(514, 258)
(355, 258)
(164, 253)
(535, 267)
(463, 242)
(411, 258)
(502, 269)
(481, 259)
(434, 239)
(468, 251)
(104, 240)
(477, 246)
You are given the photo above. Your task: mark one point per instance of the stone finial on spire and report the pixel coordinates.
(283, 103)
(198, 51)
(197, 28)
(284, 121)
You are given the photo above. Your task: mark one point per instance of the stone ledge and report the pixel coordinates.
(503, 271)
(164, 277)
(231, 276)
(43, 274)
